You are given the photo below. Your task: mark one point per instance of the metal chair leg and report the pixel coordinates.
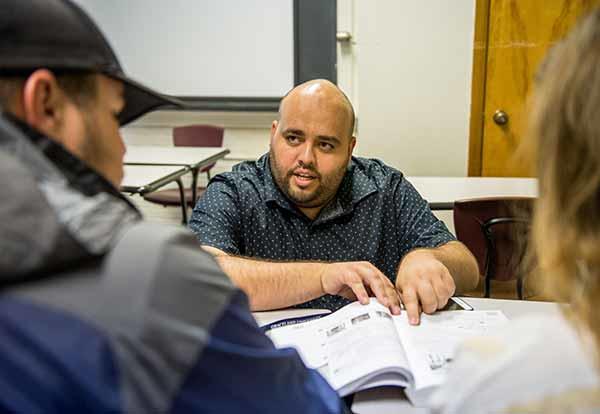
(194, 186)
(520, 288)
(184, 220)
(490, 258)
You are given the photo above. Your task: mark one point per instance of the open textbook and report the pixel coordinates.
(365, 346)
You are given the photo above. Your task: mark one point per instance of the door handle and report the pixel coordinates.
(500, 117)
(343, 37)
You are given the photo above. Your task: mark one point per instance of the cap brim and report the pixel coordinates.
(140, 99)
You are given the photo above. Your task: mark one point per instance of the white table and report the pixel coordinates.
(388, 400)
(143, 179)
(441, 192)
(193, 157)
(187, 159)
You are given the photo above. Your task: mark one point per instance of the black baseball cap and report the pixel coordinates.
(60, 36)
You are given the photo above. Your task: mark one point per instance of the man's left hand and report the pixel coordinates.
(423, 282)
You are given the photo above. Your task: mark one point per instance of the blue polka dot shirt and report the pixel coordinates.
(377, 216)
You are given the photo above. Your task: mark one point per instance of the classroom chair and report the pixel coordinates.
(189, 136)
(496, 230)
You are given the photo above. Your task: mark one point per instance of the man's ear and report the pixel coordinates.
(274, 126)
(43, 103)
(352, 145)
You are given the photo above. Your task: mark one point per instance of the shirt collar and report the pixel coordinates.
(355, 186)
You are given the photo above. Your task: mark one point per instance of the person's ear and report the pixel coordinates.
(352, 145)
(44, 103)
(274, 126)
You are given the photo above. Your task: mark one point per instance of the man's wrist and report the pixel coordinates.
(322, 268)
(417, 253)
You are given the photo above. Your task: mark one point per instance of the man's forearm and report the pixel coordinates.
(274, 285)
(461, 264)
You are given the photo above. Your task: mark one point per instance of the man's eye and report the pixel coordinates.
(292, 139)
(326, 146)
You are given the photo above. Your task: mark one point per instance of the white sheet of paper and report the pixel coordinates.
(431, 346)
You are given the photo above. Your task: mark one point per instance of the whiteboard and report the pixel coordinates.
(191, 48)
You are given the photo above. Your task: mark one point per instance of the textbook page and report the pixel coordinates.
(362, 347)
(352, 346)
(308, 338)
(431, 345)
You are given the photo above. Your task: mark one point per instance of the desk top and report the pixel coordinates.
(146, 178)
(167, 155)
(441, 192)
(513, 308)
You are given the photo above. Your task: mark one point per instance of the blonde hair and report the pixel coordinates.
(565, 143)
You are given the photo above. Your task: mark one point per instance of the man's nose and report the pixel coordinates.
(307, 155)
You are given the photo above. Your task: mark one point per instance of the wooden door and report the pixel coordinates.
(511, 39)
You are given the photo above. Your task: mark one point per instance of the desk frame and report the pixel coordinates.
(176, 176)
(161, 182)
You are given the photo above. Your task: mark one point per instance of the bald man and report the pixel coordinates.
(310, 225)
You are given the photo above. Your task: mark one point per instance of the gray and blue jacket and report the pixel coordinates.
(101, 312)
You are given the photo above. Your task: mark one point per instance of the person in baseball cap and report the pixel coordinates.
(100, 311)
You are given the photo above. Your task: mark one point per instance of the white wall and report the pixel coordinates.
(410, 64)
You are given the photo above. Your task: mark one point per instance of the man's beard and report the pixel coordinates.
(325, 191)
(89, 146)
(94, 154)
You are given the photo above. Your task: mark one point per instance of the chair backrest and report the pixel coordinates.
(495, 230)
(198, 136)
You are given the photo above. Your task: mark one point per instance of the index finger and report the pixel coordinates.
(359, 290)
(411, 304)
(377, 283)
